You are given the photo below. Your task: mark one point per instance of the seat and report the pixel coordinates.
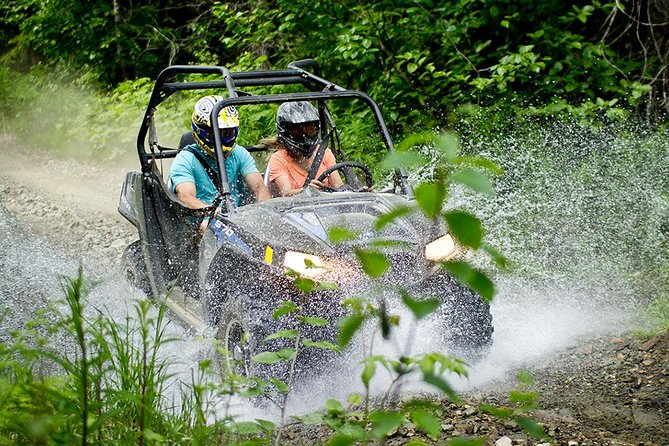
(186, 140)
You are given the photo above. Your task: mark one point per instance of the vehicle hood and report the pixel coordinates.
(302, 223)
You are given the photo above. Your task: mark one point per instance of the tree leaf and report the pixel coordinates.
(415, 139)
(498, 411)
(368, 371)
(313, 321)
(347, 328)
(464, 441)
(449, 145)
(396, 160)
(441, 384)
(282, 334)
(473, 278)
(353, 430)
(285, 307)
(531, 426)
(426, 422)
(280, 385)
(524, 398)
(500, 260)
(267, 358)
(385, 219)
(334, 406)
(373, 263)
(465, 227)
(304, 284)
(312, 418)
(341, 440)
(525, 377)
(385, 423)
(474, 179)
(430, 197)
(246, 427)
(338, 235)
(420, 307)
(323, 345)
(267, 425)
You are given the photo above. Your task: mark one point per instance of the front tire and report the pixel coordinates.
(464, 320)
(237, 341)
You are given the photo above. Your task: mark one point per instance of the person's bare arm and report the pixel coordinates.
(335, 180)
(186, 194)
(255, 182)
(282, 185)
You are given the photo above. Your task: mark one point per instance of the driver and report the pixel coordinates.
(298, 130)
(194, 173)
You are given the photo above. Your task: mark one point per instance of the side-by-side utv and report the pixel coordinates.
(233, 276)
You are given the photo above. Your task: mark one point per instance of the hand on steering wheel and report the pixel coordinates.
(339, 166)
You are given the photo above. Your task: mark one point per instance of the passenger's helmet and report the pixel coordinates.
(298, 127)
(228, 123)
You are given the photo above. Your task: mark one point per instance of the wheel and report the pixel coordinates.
(242, 326)
(134, 267)
(237, 342)
(465, 321)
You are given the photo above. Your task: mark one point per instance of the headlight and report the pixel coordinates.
(306, 264)
(442, 249)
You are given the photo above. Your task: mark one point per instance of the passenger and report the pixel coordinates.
(194, 173)
(298, 130)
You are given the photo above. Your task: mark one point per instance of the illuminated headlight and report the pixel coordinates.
(442, 249)
(305, 264)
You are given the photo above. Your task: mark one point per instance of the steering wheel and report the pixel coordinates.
(368, 174)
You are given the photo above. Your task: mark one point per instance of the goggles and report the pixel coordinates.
(304, 132)
(228, 136)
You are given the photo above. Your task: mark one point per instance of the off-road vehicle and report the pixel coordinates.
(233, 276)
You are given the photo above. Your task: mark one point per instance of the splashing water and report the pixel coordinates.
(582, 215)
(584, 218)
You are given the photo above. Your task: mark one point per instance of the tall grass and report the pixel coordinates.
(110, 388)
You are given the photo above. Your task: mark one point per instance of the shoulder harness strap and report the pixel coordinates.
(213, 175)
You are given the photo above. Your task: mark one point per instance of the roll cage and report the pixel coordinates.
(318, 90)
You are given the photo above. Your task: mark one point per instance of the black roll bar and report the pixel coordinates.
(319, 90)
(401, 177)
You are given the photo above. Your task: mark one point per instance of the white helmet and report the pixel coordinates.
(228, 123)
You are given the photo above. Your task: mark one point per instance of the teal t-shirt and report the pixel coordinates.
(187, 168)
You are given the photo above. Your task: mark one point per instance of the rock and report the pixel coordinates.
(503, 441)
(586, 349)
(646, 418)
(619, 343)
(470, 411)
(649, 344)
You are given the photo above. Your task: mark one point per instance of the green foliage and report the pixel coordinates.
(420, 60)
(523, 400)
(655, 317)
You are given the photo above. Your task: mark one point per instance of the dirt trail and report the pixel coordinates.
(72, 204)
(93, 187)
(605, 392)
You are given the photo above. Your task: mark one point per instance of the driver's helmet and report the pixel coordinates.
(228, 123)
(298, 127)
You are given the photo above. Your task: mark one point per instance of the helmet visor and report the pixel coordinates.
(228, 136)
(304, 132)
